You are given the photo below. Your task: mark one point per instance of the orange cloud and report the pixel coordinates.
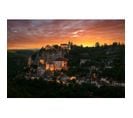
(27, 34)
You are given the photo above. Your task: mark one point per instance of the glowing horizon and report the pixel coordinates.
(30, 34)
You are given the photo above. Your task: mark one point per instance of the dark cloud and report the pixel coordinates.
(34, 30)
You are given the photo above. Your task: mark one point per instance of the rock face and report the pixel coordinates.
(48, 59)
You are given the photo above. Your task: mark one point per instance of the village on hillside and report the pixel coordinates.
(67, 63)
(66, 58)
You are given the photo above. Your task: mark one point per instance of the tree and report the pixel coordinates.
(115, 44)
(97, 44)
(56, 46)
(105, 45)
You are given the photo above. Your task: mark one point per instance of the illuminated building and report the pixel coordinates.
(50, 66)
(49, 59)
(29, 61)
(42, 61)
(61, 63)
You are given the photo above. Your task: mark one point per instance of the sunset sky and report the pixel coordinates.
(27, 34)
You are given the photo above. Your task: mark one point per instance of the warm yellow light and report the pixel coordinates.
(42, 61)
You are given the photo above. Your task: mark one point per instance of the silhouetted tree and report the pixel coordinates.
(97, 44)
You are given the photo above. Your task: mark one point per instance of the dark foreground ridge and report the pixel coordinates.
(44, 89)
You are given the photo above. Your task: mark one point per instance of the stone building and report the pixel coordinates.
(49, 59)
